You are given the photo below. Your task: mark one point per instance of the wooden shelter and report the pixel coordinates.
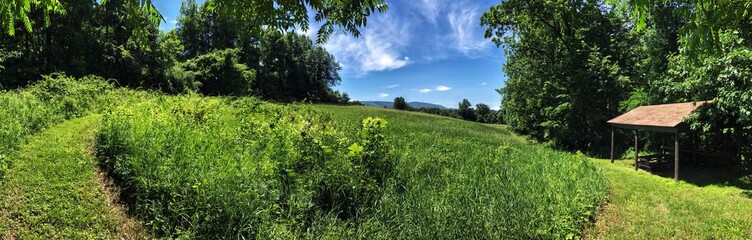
(666, 118)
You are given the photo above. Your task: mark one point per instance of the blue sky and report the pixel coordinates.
(423, 50)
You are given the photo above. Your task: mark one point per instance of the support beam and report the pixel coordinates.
(676, 157)
(739, 139)
(694, 148)
(636, 151)
(612, 144)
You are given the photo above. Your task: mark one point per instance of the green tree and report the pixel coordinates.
(289, 67)
(483, 113)
(91, 38)
(259, 14)
(220, 73)
(568, 66)
(400, 104)
(705, 20)
(466, 110)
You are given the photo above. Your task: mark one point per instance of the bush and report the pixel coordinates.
(220, 73)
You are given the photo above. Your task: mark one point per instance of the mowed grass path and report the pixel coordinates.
(52, 190)
(646, 206)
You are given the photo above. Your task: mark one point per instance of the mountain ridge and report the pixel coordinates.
(413, 104)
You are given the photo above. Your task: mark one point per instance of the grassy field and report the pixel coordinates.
(204, 167)
(708, 204)
(468, 179)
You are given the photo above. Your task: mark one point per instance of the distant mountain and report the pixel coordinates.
(412, 104)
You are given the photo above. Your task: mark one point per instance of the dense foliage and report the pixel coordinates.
(209, 52)
(568, 64)
(572, 65)
(258, 14)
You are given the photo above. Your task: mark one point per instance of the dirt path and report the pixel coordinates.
(54, 190)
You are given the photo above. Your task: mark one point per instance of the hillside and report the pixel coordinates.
(199, 167)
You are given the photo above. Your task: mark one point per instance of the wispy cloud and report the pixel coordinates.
(443, 88)
(464, 22)
(377, 49)
(383, 95)
(425, 90)
(484, 84)
(418, 31)
(393, 86)
(430, 9)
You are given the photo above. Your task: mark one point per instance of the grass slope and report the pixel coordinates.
(647, 206)
(470, 180)
(51, 190)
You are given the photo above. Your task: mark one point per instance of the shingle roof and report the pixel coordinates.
(664, 115)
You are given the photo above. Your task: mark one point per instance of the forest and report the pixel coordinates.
(208, 52)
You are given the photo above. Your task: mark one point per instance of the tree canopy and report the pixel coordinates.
(255, 14)
(572, 65)
(568, 64)
(207, 52)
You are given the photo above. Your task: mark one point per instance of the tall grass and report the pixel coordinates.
(209, 167)
(468, 180)
(201, 167)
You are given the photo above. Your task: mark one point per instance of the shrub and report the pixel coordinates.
(220, 73)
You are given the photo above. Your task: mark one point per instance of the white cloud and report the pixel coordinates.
(464, 22)
(379, 48)
(174, 22)
(484, 84)
(425, 90)
(443, 88)
(430, 9)
(393, 86)
(383, 95)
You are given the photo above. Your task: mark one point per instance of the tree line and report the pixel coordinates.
(210, 51)
(572, 65)
(482, 113)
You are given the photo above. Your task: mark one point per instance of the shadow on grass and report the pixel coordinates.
(709, 175)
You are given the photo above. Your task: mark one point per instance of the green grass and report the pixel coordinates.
(52, 191)
(466, 179)
(205, 167)
(706, 204)
(201, 167)
(210, 167)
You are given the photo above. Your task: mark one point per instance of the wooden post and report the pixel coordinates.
(676, 156)
(612, 144)
(636, 150)
(739, 137)
(694, 148)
